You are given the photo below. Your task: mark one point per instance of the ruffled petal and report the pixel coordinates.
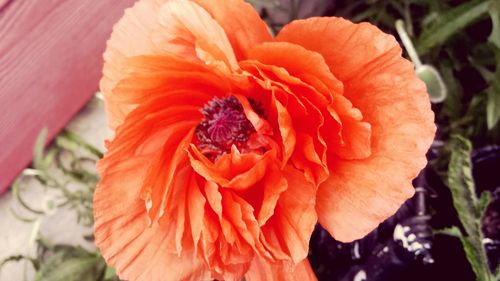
(360, 194)
(243, 26)
(235, 170)
(288, 231)
(130, 37)
(289, 96)
(261, 270)
(137, 251)
(172, 31)
(190, 31)
(311, 68)
(347, 135)
(346, 47)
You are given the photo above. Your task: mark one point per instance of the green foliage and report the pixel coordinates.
(493, 106)
(68, 166)
(450, 23)
(73, 264)
(470, 209)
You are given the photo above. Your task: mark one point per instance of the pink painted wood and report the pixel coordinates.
(50, 65)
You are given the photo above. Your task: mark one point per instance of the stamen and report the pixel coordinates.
(224, 124)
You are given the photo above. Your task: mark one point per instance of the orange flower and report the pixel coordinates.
(230, 145)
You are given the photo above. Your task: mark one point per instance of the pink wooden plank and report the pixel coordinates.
(50, 65)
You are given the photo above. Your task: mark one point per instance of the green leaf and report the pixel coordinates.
(450, 23)
(476, 258)
(38, 155)
(110, 273)
(494, 11)
(493, 105)
(16, 190)
(461, 184)
(451, 231)
(483, 203)
(71, 264)
(468, 206)
(71, 141)
(19, 258)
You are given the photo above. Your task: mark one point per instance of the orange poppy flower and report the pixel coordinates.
(229, 144)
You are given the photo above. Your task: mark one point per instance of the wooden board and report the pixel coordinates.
(50, 65)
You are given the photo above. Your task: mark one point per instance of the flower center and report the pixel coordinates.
(224, 124)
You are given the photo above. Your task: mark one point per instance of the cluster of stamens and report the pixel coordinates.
(224, 125)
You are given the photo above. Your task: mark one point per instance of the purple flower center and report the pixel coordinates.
(224, 124)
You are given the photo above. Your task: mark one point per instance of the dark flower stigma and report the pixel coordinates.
(224, 124)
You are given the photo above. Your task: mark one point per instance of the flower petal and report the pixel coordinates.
(261, 270)
(360, 194)
(310, 68)
(289, 229)
(346, 47)
(137, 251)
(191, 31)
(130, 37)
(242, 24)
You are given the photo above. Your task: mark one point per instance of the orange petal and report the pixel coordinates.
(191, 31)
(149, 77)
(138, 252)
(262, 270)
(296, 97)
(289, 229)
(360, 195)
(236, 170)
(131, 37)
(346, 47)
(286, 128)
(161, 28)
(310, 68)
(242, 24)
(384, 87)
(228, 255)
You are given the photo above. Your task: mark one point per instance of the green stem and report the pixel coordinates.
(410, 49)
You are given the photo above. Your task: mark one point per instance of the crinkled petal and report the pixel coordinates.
(138, 252)
(360, 194)
(346, 47)
(289, 229)
(262, 270)
(189, 30)
(243, 26)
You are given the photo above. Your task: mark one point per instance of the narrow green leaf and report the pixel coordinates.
(494, 11)
(450, 23)
(18, 258)
(461, 184)
(16, 190)
(468, 207)
(50, 154)
(451, 231)
(483, 203)
(110, 273)
(72, 264)
(476, 259)
(493, 105)
(75, 269)
(38, 155)
(71, 141)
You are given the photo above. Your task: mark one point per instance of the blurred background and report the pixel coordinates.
(52, 130)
